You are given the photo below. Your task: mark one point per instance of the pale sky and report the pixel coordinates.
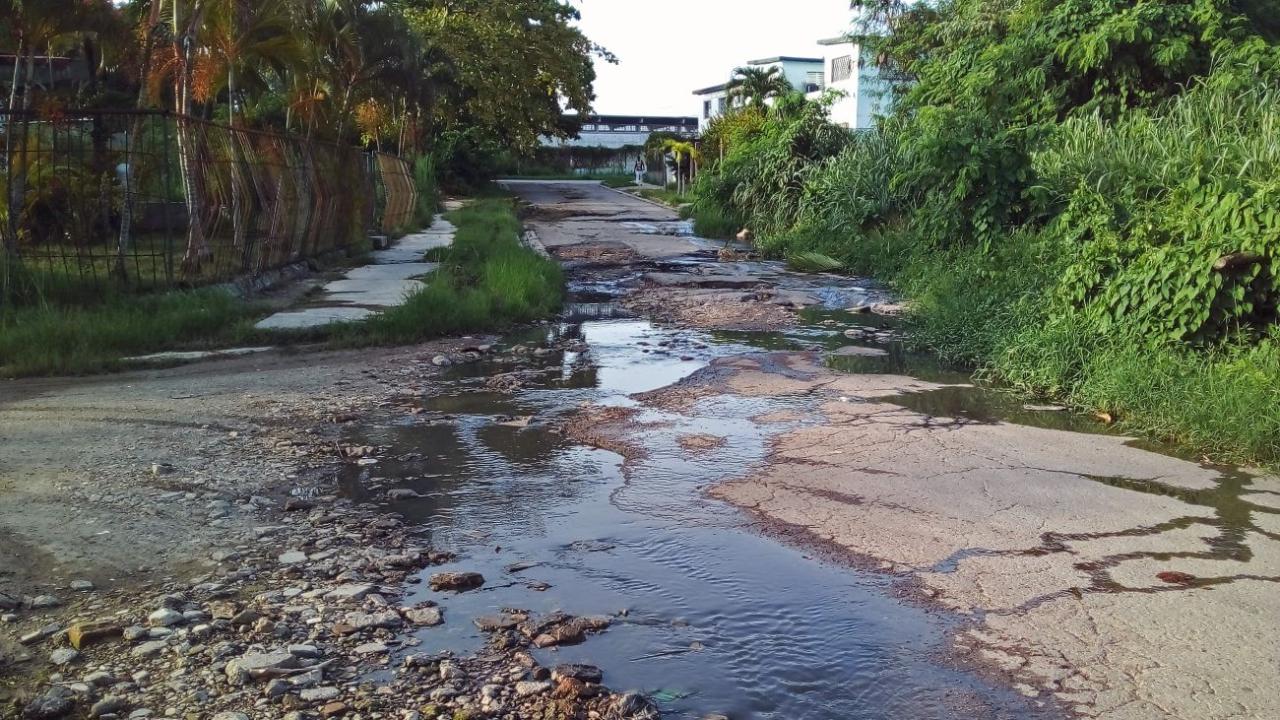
(668, 48)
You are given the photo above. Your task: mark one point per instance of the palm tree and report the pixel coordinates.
(682, 150)
(249, 41)
(186, 21)
(753, 85)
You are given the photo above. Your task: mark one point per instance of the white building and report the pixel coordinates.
(851, 70)
(804, 74)
(848, 68)
(619, 131)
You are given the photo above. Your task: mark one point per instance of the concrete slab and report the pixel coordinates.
(314, 317)
(377, 285)
(192, 356)
(410, 248)
(362, 291)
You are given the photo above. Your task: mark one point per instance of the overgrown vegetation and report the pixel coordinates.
(1079, 196)
(488, 280)
(667, 196)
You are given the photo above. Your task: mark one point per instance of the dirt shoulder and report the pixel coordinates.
(96, 469)
(1121, 582)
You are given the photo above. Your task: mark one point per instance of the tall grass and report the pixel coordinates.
(488, 280)
(49, 339)
(712, 221)
(427, 185)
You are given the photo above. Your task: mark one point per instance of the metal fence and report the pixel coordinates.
(149, 199)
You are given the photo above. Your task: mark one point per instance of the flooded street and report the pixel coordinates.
(711, 618)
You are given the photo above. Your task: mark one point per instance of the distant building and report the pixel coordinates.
(804, 74)
(852, 71)
(619, 131)
(849, 69)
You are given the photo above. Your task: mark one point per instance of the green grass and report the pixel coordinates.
(488, 281)
(710, 222)
(1222, 403)
(666, 196)
(49, 340)
(1225, 404)
(620, 181)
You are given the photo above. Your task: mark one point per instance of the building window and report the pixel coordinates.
(842, 68)
(724, 104)
(706, 108)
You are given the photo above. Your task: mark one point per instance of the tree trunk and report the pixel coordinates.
(100, 135)
(237, 178)
(342, 114)
(197, 248)
(18, 176)
(135, 136)
(11, 229)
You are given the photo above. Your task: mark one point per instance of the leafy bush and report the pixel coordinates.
(763, 178)
(1079, 196)
(1174, 239)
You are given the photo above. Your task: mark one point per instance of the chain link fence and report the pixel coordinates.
(142, 200)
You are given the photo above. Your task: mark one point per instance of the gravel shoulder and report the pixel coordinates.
(173, 545)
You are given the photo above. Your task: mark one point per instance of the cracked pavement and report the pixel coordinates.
(1124, 583)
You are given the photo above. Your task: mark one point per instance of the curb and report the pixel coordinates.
(531, 241)
(654, 203)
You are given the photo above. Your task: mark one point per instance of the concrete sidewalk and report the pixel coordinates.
(367, 290)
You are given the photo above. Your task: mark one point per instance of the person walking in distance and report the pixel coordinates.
(640, 171)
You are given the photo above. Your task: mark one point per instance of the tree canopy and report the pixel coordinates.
(402, 72)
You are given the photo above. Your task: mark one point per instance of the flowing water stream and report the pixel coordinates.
(709, 617)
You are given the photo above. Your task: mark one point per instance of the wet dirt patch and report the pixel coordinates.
(607, 428)
(701, 442)
(555, 214)
(710, 309)
(598, 254)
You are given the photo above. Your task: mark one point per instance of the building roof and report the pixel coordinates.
(785, 58)
(712, 89)
(640, 120)
(850, 39)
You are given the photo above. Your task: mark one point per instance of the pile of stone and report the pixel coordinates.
(308, 618)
